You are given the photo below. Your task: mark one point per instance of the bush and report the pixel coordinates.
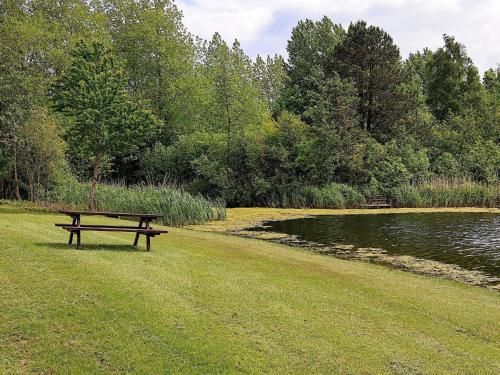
(446, 165)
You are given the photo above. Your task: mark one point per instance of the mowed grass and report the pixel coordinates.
(213, 303)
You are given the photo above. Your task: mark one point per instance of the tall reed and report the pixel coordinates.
(432, 193)
(175, 206)
(330, 196)
(447, 193)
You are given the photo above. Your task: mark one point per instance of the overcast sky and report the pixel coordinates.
(263, 26)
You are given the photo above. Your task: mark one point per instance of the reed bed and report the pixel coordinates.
(431, 193)
(175, 206)
(178, 207)
(331, 196)
(447, 193)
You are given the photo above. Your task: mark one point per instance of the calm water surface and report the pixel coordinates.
(470, 240)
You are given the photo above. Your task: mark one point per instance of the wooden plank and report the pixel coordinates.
(97, 226)
(113, 229)
(108, 213)
(106, 229)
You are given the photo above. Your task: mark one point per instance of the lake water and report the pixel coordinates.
(470, 240)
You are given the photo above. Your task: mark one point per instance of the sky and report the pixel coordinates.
(264, 26)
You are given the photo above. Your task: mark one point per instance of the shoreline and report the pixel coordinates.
(240, 220)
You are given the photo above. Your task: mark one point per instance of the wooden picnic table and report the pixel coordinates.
(143, 228)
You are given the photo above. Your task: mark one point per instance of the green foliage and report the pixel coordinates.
(159, 61)
(175, 206)
(464, 138)
(92, 94)
(232, 92)
(491, 81)
(41, 153)
(385, 165)
(270, 76)
(370, 58)
(333, 195)
(333, 151)
(491, 114)
(454, 85)
(310, 50)
(342, 110)
(447, 166)
(199, 160)
(104, 121)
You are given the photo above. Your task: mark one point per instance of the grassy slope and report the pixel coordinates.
(212, 303)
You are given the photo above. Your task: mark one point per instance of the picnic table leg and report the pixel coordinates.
(137, 234)
(71, 233)
(76, 221)
(148, 242)
(78, 240)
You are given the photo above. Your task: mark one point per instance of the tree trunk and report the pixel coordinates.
(228, 145)
(369, 119)
(16, 178)
(30, 185)
(38, 189)
(93, 186)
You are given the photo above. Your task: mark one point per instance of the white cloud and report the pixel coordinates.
(264, 26)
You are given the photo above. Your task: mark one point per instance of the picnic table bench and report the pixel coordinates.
(143, 228)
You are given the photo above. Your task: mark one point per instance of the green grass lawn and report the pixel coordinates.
(213, 303)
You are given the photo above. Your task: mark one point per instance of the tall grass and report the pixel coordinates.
(178, 207)
(331, 196)
(175, 206)
(447, 193)
(432, 193)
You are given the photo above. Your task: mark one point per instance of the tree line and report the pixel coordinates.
(120, 90)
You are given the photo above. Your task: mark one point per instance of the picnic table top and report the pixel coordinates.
(109, 214)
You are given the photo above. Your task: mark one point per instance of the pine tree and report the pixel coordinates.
(370, 58)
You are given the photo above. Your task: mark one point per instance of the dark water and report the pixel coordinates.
(470, 240)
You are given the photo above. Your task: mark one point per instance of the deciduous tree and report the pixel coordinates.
(454, 85)
(104, 121)
(310, 51)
